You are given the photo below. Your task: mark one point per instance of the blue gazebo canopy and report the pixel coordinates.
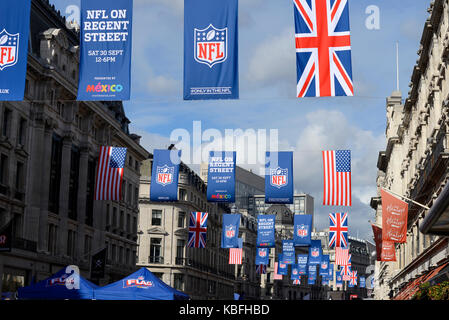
(141, 285)
(55, 288)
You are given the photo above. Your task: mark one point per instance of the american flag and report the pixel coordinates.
(110, 173)
(197, 230)
(353, 279)
(341, 256)
(338, 230)
(323, 48)
(337, 178)
(235, 255)
(261, 269)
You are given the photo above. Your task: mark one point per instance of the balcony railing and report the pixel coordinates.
(155, 259)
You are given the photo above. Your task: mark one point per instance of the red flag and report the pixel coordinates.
(385, 250)
(394, 218)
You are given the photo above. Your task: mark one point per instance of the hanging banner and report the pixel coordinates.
(302, 229)
(279, 177)
(295, 273)
(311, 272)
(288, 251)
(277, 275)
(6, 237)
(385, 250)
(262, 255)
(211, 49)
(282, 266)
(105, 50)
(230, 231)
(221, 177)
(164, 175)
(362, 282)
(14, 36)
(338, 280)
(394, 218)
(302, 260)
(315, 252)
(324, 265)
(331, 271)
(98, 264)
(265, 231)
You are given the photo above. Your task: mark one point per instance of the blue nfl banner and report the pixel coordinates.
(14, 34)
(164, 175)
(282, 266)
(339, 280)
(265, 231)
(105, 50)
(211, 49)
(362, 282)
(302, 229)
(221, 177)
(230, 231)
(279, 177)
(302, 260)
(288, 251)
(262, 255)
(324, 265)
(315, 252)
(311, 271)
(295, 273)
(331, 271)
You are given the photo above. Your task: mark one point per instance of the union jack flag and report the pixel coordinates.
(338, 230)
(345, 271)
(261, 269)
(323, 48)
(353, 279)
(197, 230)
(110, 173)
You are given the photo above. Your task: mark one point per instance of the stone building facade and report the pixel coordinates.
(415, 161)
(49, 146)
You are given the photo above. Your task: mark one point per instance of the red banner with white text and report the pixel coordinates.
(394, 218)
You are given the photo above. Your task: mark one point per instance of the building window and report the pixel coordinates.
(134, 225)
(156, 217)
(122, 220)
(6, 122)
(136, 196)
(22, 132)
(120, 255)
(52, 238)
(89, 220)
(3, 172)
(114, 217)
(182, 195)
(180, 244)
(128, 223)
(114, 253)
(181, 219)
(128, 256)
(71, 243)
(55, 174)
(19, 183)
(156, 250)
(179, 281)
(87, 244)
(73, 182)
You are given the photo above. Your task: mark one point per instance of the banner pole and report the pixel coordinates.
(419, 204)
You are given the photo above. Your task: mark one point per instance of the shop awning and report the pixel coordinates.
(437, 219)
(413, 287)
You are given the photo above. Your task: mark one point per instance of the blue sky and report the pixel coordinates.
(267, 72)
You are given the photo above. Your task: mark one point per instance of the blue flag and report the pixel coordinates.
(302, 263)
(211, 49)
(302, 230)
(105, 51)
(295, 273)
(324, 265)
(315, 252)
(338, 280)
(288, 251)
(164, 175)
(282, 266)
(265, 231)
(230, 231)
(311, 272)
(221, 177)
(331, 271)
(14, 36)
(362, 282)
(262, 256)
(279, 177)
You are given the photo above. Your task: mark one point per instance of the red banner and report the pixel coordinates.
(394, 218)
(385, 250)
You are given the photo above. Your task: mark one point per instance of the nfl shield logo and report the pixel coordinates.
(279, 177)
(211, 45)
(165, 175)
(324, 265)
(315, 252)
(9, 49)
(263, 253)
(302, 231)
(230, 231)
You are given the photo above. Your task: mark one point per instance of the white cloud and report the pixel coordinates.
(163, 85)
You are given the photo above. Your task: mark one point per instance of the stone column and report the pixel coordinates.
(82, 190)
(64, 192)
